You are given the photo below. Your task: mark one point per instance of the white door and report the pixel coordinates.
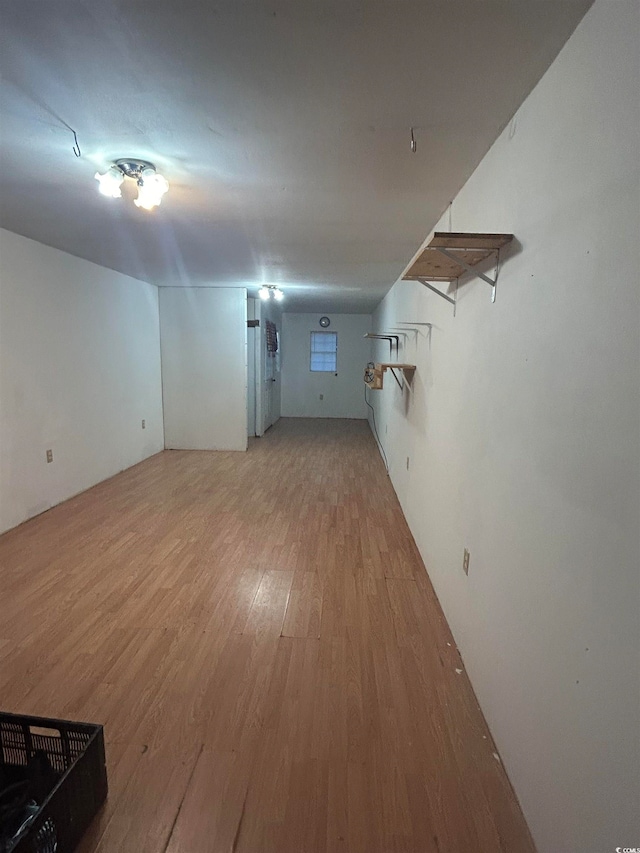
(270, 382)
(251, 380)
(267, 371)
(272, 386)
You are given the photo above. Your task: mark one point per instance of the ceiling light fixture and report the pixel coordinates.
(268, 290)
(110, 182)
(151, 185)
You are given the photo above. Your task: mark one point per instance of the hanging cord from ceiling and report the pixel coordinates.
(414, 146)
(375, 430)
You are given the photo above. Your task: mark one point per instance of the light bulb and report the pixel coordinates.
(278, 295)
(110, 182)
(151, 188)
(264, 292)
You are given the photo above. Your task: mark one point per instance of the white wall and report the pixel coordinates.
(79, 370)
(343, 395)
(523, 432)
(204, 367)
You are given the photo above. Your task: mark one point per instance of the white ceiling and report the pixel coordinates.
(282, 127)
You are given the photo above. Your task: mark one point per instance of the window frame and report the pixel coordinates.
(315, 336)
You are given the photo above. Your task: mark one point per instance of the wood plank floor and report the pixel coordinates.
(259, 637)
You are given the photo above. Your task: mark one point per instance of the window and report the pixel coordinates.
(324, 352)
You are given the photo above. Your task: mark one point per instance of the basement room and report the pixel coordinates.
(319, 426)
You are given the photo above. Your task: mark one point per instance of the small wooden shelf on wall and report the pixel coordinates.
(449, 255)
(374, 376)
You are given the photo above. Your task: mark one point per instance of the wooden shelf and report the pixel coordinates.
(377, 374)
(470, 248)
(449, 255)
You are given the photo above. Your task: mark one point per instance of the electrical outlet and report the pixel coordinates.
(49, 455)
(144, 424)
(407, 463)
(465, 562)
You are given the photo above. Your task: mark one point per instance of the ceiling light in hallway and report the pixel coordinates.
(268, 290)
(110, 182)
(151, 185)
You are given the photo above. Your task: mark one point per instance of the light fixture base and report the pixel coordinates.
(134, 168)
(270, 290)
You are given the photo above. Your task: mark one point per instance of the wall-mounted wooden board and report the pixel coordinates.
(386, 365)
(460, 240)
(472, 248)
(377, 374)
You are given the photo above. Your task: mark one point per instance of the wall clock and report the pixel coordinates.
(325, 322)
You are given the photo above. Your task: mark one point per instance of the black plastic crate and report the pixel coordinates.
(68, 760)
